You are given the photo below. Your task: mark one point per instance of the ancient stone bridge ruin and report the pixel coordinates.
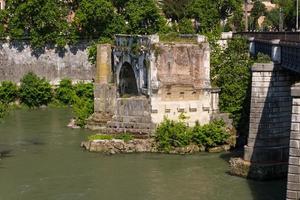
(273, 148)
(140, 80)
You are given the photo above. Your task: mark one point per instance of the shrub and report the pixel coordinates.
(82, 109)
(84, 90)
(172, 134)
(100, 137)
(210, 135)
(35, 91)
(65, 92)
(8, 92)
(263, 58)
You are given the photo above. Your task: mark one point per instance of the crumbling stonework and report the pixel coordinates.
(141, 80)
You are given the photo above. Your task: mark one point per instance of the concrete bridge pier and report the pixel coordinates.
(266, 152)
(293, 186)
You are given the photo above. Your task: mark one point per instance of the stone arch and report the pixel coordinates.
(127, 81)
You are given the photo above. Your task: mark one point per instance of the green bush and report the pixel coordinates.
(8, 92)
(171, 134)
(82, 109)
(263, 58)
(210, 135)
(65, 92)
(84, 90)
(35, 91)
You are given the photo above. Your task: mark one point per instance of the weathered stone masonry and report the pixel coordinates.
(17, 58)
(293, 186)
(143, 80)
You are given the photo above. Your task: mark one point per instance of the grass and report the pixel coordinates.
(124, 136)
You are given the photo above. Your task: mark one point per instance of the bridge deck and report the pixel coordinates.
(289, 43)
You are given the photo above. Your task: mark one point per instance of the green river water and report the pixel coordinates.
(47, 163)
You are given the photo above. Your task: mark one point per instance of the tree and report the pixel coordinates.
(3, 22)
(231, 73)
(43, 21)
(258, 10)
(175, 9)
(97, 18)
(185, 26)
(143, 17)
(206, 13)
(272, 19)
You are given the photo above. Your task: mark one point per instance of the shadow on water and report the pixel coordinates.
(260, 190)
(5, 151)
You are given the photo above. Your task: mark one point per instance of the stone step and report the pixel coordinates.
(132, 119)
(129, 125)
(138, 133)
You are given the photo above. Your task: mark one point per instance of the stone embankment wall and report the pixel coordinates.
(17, 58)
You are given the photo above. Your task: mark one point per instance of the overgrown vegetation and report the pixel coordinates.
(59, 23)
(170, 134)
(35, 91)
(123, 136)
(65, 93)
(230, 71)
(8, 92)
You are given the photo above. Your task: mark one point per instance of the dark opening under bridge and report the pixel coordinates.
(273, 146)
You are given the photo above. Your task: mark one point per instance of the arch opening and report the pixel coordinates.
(127, 83)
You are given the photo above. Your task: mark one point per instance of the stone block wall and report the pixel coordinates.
(268, 141)
(17, 58)
(293, 186)
(180, 74)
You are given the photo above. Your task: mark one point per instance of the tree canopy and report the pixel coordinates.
(62, 22)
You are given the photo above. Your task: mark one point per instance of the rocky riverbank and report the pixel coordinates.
(142, 146)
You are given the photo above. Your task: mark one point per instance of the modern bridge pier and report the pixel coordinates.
(266, 153)
(273, 147)
(293, 186)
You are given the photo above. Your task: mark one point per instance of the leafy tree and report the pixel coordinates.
(258, 10)
(185, 26)
(43, 21)
(272, 19)
(206, 13)
(97, 18)
(143, 17)
(235, 22)
(231, 73)
(175, 9)
(3, 22)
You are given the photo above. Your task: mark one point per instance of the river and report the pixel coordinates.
(47, 163)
